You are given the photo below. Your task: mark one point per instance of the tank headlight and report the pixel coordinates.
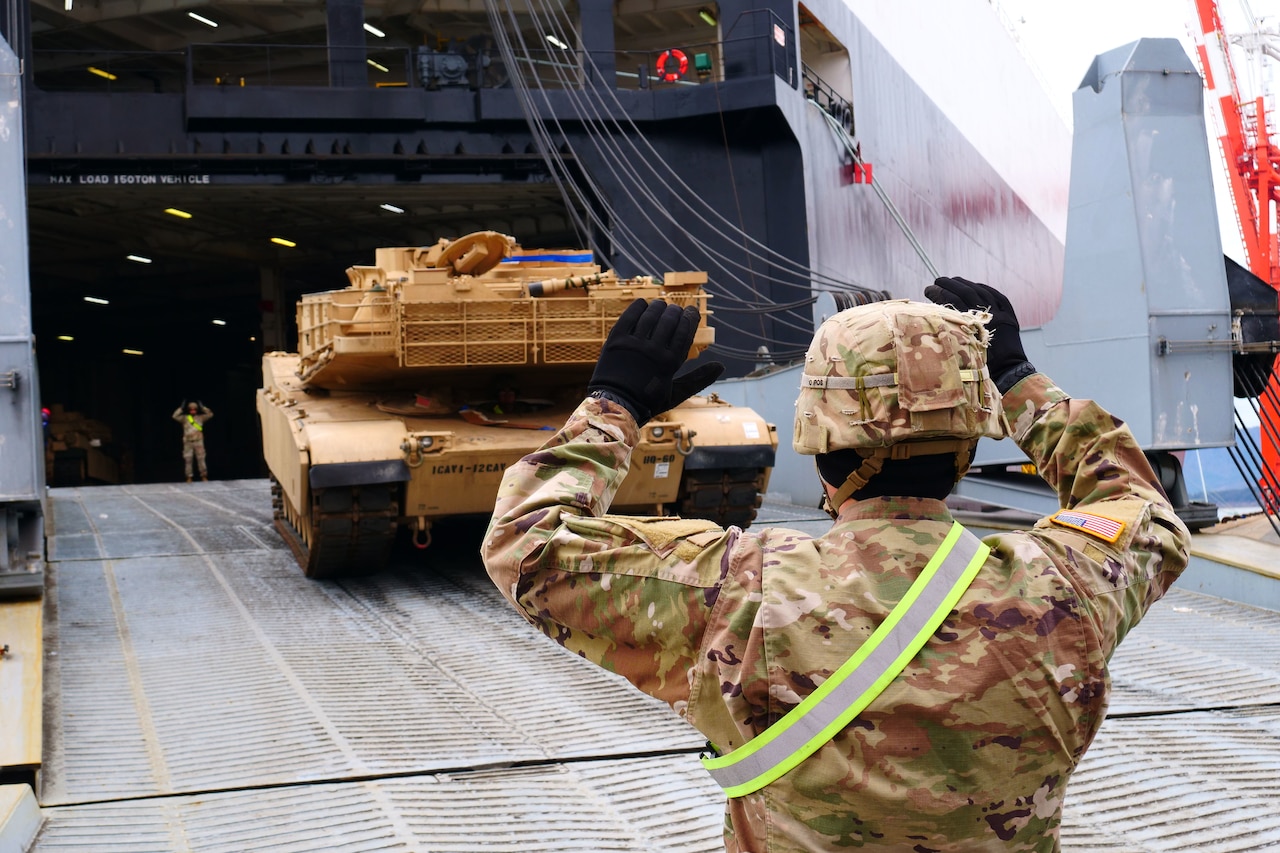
(658, 432)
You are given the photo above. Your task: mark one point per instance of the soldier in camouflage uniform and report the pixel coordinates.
(193, 417)
(971, 747)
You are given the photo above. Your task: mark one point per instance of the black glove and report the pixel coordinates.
(1006, 360)
(639, 359)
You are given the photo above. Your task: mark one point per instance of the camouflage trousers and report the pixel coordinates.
(194, 450)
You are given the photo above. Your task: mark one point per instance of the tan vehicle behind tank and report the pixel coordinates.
(416, 386)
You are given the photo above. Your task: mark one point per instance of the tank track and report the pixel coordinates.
(349, 531)
(727, 496)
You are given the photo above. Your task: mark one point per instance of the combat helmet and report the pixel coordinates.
(897, 379)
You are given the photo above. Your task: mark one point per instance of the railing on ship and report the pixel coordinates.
(235, 65)
(758, 44)
(1253, 387)
(832, 102)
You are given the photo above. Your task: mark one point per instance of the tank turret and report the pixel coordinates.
(437, 367)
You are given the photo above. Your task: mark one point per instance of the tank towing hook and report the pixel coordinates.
(415, 452)
(684, 441)
(422, 533)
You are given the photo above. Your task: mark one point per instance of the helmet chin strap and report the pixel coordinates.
(872, 463)
(874, 460)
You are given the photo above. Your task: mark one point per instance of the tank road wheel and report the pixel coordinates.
(727, 496)
(349, 531)
(289, 523)
(277, 500)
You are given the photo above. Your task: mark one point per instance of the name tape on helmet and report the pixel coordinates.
(875, 380)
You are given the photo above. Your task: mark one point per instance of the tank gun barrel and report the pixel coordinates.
(557, 285)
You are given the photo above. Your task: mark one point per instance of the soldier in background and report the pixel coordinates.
(507, 399)
(193, 417)
(918, 688)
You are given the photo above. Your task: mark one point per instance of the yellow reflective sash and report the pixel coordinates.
(860, 679)
(192, 421)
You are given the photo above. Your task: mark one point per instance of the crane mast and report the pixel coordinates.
(1253, 173)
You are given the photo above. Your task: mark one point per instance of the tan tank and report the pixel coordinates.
(417, 386)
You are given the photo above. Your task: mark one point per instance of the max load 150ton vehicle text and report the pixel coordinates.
(415, 387)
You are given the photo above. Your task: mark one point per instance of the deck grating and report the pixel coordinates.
(203, 695)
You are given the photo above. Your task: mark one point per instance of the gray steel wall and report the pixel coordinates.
(1144, 256)
(963, 140)
(21, 436)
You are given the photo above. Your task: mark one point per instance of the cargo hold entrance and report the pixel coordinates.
(146, 295)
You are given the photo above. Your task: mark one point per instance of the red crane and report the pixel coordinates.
(1253, 171)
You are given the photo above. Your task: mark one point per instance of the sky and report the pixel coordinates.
(1061, 37)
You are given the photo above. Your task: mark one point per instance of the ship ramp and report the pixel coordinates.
(200, 694)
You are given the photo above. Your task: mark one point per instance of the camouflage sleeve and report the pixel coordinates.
(177, 414)
(630, 594)
(1122, 545)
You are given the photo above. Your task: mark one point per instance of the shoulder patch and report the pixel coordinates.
(1104, 528)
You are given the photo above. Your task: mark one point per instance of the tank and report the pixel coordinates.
(415, 387)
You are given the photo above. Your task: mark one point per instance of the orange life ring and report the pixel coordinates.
(682, 65)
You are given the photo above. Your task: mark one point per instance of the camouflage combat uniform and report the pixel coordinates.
(971, 747)
(193, 438)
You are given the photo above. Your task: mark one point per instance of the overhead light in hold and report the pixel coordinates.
(138, 259)
(65, 338)
(219, 322)
(253, 337)
(555, 41)
(280, 241)
(707, 16)
(104, 74)
(391, 208)
(128, 351)
(202, 19)
(97, 301)
(181, 214)
(378, 66)
(377, 32)
(66, 7)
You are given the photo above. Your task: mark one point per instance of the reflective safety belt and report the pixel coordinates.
(192, 421)
(860, 679)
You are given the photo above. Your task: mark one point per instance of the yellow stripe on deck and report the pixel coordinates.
(21, 681)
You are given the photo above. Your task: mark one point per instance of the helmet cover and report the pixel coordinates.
(896, 371)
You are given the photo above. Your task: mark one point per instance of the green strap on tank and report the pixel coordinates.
(863, 677)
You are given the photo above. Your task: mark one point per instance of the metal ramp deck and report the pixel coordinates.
(202, 695)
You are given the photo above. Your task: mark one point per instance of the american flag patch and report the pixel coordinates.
(1107, 529)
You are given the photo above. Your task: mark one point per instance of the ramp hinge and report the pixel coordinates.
(9, 380)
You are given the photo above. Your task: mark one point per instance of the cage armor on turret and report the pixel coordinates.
(415, 387)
